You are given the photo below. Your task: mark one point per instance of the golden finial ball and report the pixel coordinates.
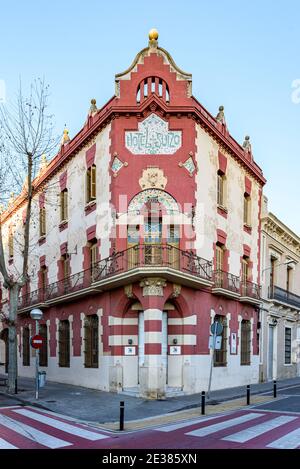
(153, 34)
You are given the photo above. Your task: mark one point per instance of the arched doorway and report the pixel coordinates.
(4, 349)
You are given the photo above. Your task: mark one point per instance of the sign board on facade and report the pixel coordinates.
(129, 350)
(153, 138)
(36, 341)
(218, 342)
(233, 343)
(175, 350)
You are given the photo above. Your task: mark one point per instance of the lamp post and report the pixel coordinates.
(36, 315)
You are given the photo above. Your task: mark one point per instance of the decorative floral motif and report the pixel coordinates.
(156, 195)
(153, 177)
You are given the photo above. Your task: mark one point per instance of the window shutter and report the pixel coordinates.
(93, 182)
(88, 185)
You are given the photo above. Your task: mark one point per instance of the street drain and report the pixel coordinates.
(50, 402)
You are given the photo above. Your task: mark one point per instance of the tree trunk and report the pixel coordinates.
(12, 338)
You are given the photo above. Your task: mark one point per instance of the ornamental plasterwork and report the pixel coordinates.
(153, 286)
(155, 195)
(153, 138)
(153, 177)
(189, 165)
(117, 164)
(176, 290)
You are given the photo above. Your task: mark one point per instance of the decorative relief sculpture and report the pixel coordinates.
(153, 177)
(153, 286)
(153, 138)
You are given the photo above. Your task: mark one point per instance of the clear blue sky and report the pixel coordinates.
(244, 55)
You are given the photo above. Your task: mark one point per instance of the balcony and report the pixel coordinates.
(284, 296)
(226, 284)
(122, 268)
(231, 286)
(250, 293)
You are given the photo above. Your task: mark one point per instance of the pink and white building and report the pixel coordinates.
(146, 229)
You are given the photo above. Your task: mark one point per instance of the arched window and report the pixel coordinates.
(91, 342)
(152, 85)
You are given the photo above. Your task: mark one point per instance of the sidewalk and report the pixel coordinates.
(103, 407)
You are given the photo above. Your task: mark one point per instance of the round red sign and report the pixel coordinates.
(37, 341)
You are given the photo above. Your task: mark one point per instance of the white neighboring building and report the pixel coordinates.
(280, 312)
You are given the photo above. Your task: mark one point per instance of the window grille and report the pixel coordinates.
(245, 342)
(64, 343)
(91, 342)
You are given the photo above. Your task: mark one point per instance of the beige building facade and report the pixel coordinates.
(280, 309)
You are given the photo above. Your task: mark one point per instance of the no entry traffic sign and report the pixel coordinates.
(37, 341)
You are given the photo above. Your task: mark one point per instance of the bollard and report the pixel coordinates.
(16, 386)
(122, 408)
(248, 394)
(203, 403)
(274, 388)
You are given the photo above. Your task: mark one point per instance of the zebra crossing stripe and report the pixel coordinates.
(59, 425)
(5, 445)
(33, 434)
(256, 430)
(176, 426)
(289, 441)
(223, 425)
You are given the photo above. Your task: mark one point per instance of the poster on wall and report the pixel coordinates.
(233, 343)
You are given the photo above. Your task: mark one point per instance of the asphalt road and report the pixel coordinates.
(288, 400)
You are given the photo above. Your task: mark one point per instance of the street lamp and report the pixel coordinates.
(36, 314)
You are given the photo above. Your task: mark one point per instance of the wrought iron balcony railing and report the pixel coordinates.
(285, 296)
(143, 256)
(232, 283)
(226, 281)
(251, 290)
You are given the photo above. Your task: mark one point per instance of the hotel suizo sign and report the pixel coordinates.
(153, 138)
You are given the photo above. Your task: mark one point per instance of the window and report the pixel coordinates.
(272, 272)
(288, 278)
(44, 349)
(219, 257)
(219, 276)
(221, 189)
(91, 340)
(10, 244)
(245, 275)
(288, 345)
(42, 221)
(247, 209)
(43, 277)
(64, 344)
(220, 356)
(91, 184)
(66, 266)
(245, 342)
(64, 205)
(26, 346)
(93, 253)
(152, 85)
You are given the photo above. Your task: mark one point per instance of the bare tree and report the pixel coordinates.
(26, 133)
